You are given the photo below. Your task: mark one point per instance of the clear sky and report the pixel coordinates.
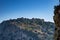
(12, 9)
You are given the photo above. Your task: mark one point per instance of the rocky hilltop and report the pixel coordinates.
(26, 29)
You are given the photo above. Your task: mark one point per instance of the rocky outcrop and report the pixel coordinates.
(26, 29)
(57, 22)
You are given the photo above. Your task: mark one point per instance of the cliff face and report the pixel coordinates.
(26, 29)
(57, 22)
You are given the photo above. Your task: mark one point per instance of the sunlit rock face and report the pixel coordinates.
(57, 22)
(26, 29)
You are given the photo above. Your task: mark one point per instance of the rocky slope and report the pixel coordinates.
(26, 29)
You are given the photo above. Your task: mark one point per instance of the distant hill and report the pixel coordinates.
(26, 29)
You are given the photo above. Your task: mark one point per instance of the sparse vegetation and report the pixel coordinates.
(26, 29)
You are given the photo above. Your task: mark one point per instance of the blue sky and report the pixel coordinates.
(12, 9)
